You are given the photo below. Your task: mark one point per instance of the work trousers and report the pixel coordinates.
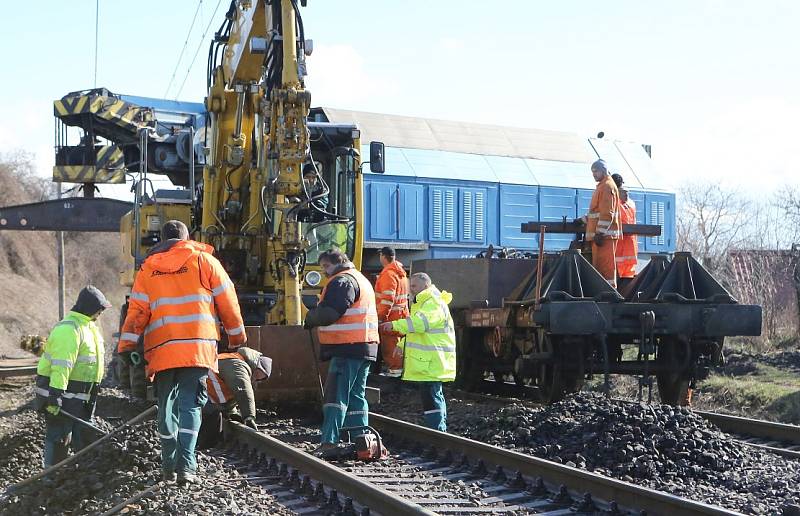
(61, 432)
(603, 259)
(434, 406)
(181, 394)
(388, 344)
(345, 403)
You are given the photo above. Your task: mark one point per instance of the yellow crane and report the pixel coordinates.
(251, 201)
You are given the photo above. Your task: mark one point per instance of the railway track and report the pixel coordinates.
(436, 473)
(12, 367)
(776, 437)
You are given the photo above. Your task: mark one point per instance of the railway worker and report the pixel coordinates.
(176, 300)
(347, 324)
(391, 297)
(628, 246)
(429, 347)
(603, 228)
(231, 392)
(69, 373)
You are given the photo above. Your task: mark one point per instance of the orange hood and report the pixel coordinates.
(397, 268)
(171, 255)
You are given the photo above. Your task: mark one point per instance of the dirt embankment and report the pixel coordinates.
(28, 264)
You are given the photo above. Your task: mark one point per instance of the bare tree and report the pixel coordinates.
(788, 202)
(711, 221)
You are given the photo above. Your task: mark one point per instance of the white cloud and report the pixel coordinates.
(451, 44)
(748, 145)
(338, 77)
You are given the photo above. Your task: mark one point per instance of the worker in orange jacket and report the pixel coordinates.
(603, 228)
(628, 246)
(177, 298)
(391, 298)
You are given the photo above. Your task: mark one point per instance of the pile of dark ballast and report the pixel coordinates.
(665, 448)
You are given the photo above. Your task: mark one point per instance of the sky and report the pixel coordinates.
(712, 85)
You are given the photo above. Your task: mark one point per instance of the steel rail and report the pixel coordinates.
(10, 372)
(600, 487)
(773, 433)
(365, 493)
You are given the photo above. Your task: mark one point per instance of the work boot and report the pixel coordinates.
(330, 451)
(168, 476)
(186, 478)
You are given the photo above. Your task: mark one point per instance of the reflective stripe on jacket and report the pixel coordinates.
(391, 293)
(603, 216)
(218, 391)
(430, 343)
(359, 322)
(176, 301)
(72, 360)
(628, 247)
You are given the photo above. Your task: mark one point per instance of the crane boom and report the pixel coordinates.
(259, 143)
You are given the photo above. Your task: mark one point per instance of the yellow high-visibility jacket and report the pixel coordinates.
(430, 343)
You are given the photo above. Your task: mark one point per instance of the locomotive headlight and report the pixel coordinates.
(313, 278)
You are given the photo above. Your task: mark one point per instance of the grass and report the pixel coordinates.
(766, 393)
(763, 391)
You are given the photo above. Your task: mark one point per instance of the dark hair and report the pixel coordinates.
(174, 229)
(388, 252)
(333, 256)
(309, 170)
(617, 179)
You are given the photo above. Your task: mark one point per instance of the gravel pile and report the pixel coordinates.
(116, 471)
(665, 448)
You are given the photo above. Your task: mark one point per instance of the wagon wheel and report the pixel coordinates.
(549, 378)
(673, 383)
(553, 379)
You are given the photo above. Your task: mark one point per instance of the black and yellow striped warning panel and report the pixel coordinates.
(124, 114)
(109, 167)
(88, 174)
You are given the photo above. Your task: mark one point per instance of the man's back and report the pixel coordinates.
(178, 296)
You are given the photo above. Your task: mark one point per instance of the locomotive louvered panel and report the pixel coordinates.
(468, 220)
(660, 211)
(437, 209)
(442, 213)
(449, 215)
(480, 215)
(473, 215)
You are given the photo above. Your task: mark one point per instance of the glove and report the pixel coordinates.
(307, 325)
(251, 422)
(599, 239)
(53, 409)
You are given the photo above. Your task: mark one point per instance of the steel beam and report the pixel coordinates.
(71, 214)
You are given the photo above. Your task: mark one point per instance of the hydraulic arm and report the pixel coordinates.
(252, 183)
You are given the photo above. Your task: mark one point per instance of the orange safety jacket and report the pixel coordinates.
(218, 390)
(178, 298)
(603, 216)
(628, 247)
(391, 293)
(359, 322)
